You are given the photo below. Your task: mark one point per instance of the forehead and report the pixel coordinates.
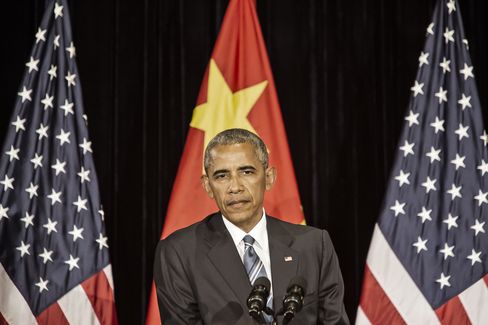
(234, 155)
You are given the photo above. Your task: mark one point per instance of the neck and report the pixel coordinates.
(247, 227)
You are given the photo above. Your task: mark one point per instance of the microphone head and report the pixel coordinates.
(256, 302)
(297, 281)
(262, 281)
(293, 301)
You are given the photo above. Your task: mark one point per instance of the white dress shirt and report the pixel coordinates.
(261, 244)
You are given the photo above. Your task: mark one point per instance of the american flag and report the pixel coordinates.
(54, 259)
(427, 262)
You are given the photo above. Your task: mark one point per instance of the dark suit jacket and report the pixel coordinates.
(200, 278)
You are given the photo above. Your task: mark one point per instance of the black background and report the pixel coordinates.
(343, 71)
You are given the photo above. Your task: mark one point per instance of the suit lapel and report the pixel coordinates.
(284, 259)
(224, 256)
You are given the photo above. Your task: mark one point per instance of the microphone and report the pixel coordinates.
(293, 301)
(256, 302)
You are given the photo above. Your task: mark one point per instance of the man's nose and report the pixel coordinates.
(235, 185)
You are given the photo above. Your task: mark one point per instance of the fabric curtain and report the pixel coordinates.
(343, 72)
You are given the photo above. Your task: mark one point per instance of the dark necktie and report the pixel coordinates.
(255, 268)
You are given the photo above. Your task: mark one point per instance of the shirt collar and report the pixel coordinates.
(259, 232)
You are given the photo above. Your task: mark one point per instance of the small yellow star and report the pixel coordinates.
(225, 109)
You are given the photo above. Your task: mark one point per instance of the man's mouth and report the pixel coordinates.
(237, 203)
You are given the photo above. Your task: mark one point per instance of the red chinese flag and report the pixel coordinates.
(237, 91)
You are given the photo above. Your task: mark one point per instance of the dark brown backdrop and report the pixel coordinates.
(343, 72)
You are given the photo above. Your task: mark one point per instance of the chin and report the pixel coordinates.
(239, 218)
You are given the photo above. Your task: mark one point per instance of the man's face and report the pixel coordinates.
(237, 180)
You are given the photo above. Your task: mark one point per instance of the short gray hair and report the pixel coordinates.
(235, 136)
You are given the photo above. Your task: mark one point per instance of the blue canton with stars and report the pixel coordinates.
(435, 209)
(51, 221)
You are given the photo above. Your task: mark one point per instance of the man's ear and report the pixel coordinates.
(206, 185)
(270, 177)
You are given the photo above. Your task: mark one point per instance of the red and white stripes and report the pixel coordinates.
(13, 306)
(91, 302)
(391, 297)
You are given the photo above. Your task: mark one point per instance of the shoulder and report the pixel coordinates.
(301, 235)
(190, 234)
(296, 229)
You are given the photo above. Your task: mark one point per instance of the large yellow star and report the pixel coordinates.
(225, 109)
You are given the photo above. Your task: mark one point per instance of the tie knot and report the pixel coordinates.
(248, 240)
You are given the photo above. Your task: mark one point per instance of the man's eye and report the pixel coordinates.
(220, 176)
(248, 172)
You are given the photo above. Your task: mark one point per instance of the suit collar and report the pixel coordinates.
(284, 259)
(224, 256)
(259, 232)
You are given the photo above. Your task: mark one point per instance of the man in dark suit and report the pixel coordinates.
(204, 273)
